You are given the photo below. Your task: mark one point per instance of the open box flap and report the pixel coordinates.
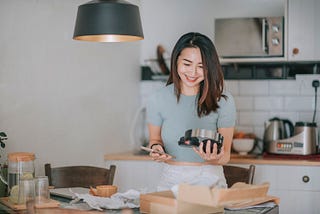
(239, 195)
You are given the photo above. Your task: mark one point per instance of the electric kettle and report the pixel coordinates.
(276, 129)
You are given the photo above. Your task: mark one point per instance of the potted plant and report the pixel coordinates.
(3, 166)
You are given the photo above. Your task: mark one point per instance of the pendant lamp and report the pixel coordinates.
(108, 21)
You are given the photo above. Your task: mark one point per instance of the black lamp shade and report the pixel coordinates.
(108, 21)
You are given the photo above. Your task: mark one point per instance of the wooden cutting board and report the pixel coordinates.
(50, 204)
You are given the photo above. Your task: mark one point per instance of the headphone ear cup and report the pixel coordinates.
(181, 141)
(219, 145)
(205, 145)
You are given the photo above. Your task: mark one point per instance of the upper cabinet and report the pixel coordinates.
(301, 25)
(251, 31)
(301, 35)
(303, 30)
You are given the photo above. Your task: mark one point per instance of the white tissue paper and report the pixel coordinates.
(129, 199)
(175, 190)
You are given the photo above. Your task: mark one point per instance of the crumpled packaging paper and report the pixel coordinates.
(128, 199)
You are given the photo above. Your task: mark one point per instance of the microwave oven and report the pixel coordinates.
(249, 37)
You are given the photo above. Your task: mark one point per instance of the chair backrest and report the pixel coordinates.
(79, 176)
(236, 174)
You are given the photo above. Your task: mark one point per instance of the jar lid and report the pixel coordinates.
(21, 156)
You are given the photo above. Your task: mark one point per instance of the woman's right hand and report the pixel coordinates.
(159, 154)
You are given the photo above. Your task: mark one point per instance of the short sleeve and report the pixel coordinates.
(153, 111)
(227, 112)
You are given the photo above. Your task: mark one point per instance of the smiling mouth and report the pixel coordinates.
(191, 79)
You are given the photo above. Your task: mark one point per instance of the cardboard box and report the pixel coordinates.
(165, 198)
(202, 199)
(238, 196)
(165, 202)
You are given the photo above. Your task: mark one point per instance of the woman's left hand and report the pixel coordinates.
(208, 155)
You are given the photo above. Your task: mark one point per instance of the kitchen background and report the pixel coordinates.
(72, 102)
(259, 100)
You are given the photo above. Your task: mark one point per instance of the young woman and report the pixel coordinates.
(194, 97)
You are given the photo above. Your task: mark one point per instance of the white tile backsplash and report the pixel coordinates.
(252, 118)
(299, 103)
(232, 86)
(283, 87)
(259, 100)
(304, 83)
(253, 87)
(267, 103)
(308, 116)
(290, 115)
(244, 102)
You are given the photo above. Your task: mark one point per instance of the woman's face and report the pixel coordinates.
(190, 70)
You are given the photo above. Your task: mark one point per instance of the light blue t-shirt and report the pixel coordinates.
(177, 117)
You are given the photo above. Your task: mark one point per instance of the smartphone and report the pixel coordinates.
(155, 151)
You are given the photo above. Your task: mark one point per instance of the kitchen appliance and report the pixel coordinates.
(276, 129)
(250, 37)
(303, 141)
(193, 137)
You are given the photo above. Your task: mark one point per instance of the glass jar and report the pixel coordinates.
(20, 166)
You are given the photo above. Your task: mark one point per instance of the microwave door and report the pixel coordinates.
(241, 37)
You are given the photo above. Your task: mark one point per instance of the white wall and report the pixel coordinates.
(69, 102)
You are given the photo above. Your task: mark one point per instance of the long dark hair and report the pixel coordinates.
(211, 87)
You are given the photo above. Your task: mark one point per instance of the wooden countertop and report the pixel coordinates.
(235, 159)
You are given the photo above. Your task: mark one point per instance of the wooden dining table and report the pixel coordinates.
(65, 208)
(64, 202)
(4, 209)
(61, 210)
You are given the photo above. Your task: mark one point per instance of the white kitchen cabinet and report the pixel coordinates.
(302, 33)
(142, 176)
(286, 182)
(303, 30)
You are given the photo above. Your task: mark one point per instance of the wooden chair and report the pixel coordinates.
(79, 176)
(236, 174)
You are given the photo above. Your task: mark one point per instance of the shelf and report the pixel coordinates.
(263, 71)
